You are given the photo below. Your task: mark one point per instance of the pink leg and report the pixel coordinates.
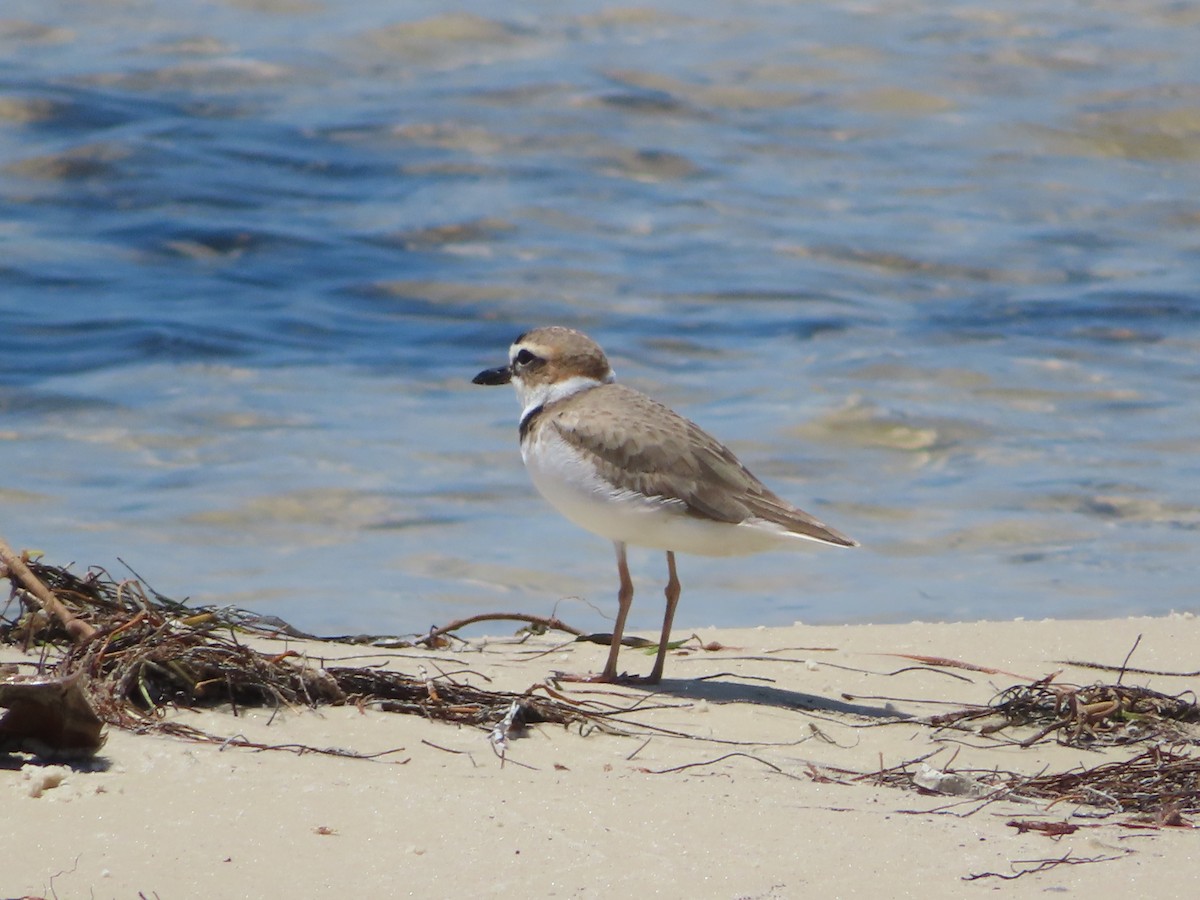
(672, 592)
(624, 601)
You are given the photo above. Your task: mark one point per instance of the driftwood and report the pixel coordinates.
(49, 717)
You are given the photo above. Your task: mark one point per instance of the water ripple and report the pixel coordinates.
(930, 269)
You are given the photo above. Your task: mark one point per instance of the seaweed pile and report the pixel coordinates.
(135, 653)
(1084, 715)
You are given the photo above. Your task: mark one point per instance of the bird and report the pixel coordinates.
(628, 468)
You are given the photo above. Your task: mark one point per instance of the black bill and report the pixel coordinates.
(501, 375)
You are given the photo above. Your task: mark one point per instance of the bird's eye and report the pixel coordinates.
(524, 358)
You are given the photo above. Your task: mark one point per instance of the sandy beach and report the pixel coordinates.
(739, 776)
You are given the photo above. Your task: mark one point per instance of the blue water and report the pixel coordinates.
(931, 269)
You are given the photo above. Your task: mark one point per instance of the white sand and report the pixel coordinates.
(593, 815)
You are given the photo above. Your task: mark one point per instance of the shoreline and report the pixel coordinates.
(752, 771)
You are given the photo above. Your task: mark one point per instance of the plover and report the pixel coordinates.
(627, 468)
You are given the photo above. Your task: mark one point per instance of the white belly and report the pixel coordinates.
(569, 482)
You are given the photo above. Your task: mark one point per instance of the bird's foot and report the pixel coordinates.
(606, 678)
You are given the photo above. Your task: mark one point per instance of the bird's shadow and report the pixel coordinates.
(716, 690)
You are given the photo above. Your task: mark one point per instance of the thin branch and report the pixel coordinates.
(710, 762)
(1041, 865)
(1128, 670)
(548, 622)
(15, 566)
(1125, 662)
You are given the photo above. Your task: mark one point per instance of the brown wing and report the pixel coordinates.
(658, 452)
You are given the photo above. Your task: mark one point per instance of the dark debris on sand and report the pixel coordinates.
(145, 652)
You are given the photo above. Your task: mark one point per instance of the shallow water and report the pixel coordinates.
(931, 270)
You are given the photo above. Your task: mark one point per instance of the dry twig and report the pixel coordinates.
(17, 570)
(538, 623)
(1041, 865)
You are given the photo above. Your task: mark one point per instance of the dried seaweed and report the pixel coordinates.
(1035, 866)
(1162, 783)
(448, 700)
(1089, 715)
(147, 652)
(1159, 787)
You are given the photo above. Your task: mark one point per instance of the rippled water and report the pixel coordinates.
(930, 268)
